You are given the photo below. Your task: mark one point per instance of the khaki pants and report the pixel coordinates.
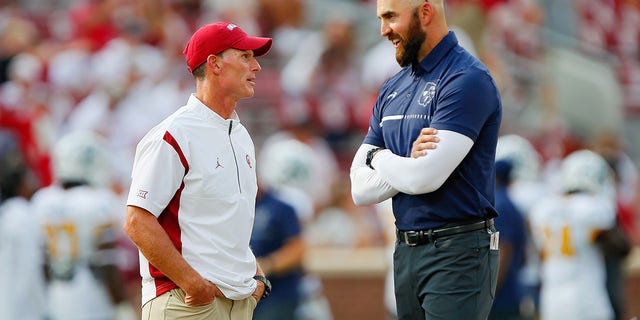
(171, 306)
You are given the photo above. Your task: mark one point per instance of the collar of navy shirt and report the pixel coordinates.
(437, 54)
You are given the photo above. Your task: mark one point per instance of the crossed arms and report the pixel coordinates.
(425, 171)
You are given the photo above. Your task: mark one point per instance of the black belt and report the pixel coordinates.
(419, 237)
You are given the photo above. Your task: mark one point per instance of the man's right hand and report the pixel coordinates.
(427, 140)
(203, 295)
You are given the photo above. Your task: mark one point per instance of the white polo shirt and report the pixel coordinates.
(195, 171)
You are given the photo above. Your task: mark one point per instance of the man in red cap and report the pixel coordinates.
(191, 205)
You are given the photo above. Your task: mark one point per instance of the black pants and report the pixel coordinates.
(453, 277)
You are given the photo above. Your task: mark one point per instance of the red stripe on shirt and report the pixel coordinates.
(168, 219)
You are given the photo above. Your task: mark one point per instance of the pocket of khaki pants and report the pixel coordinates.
(179, 294)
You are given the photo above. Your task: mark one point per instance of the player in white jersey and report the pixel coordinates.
(567, 229)
(79, 218)
(21, 254)
(527, 185)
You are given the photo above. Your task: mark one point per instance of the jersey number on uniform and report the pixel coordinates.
(558, 240)
(62, 240)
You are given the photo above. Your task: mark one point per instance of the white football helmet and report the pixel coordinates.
(82, 157)
(524, 158)
(585, 170)
(287, 163)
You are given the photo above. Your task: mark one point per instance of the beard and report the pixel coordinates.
(407, 53)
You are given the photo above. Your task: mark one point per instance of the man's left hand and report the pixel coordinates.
(257, 294)
(427, 140)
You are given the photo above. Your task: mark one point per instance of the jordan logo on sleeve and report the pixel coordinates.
(218, 164)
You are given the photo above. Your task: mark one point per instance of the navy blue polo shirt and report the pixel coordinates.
(511, 225)
(448, 90)
(276, 222)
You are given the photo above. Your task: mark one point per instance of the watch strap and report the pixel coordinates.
(267, 285)
(370, 154)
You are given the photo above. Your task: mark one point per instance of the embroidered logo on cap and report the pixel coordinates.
(231, 26)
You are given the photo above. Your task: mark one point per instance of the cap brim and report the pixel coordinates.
(260, 46)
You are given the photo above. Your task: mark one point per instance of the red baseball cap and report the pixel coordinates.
(217, 37)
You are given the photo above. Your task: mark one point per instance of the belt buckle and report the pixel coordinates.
(406, 238)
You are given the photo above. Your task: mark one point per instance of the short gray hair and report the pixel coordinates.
(198, 72)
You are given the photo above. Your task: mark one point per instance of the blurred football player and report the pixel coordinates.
(286, 177)
(80, 222)
(510, 291)
(525, 188)
(21, 251)
(526, 184)
(569, 230)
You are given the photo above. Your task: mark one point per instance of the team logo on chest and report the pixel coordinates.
(428, 94)
(248, 161)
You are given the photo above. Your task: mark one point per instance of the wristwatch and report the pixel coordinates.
(370, 155)
(267, 285)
